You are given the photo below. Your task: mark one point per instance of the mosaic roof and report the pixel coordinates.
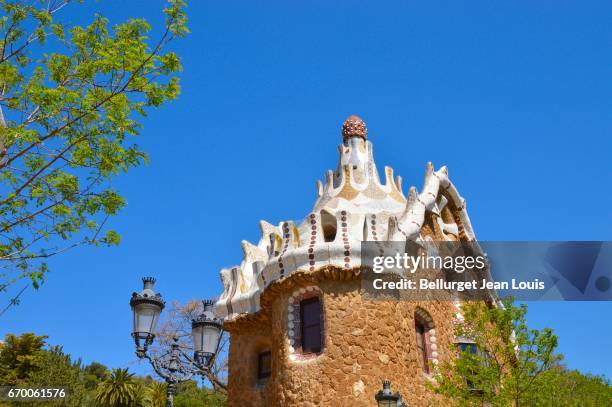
(352, 205)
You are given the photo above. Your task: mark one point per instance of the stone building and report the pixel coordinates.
(301, 331)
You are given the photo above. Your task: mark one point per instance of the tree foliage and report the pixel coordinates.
(156, 394)
(570, 388)
(20, 357)
(119, 389)
(57, 369)
(70, 102)
(188, 394)
(93, 374)
(27, 361)
(505, 363)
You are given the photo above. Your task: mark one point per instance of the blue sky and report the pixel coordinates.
(513, 97)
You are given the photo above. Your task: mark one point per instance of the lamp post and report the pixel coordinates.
(386, 398)
(174, 365)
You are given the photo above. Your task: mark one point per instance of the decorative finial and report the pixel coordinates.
(148, 282)
(354, 127)
(208, 306)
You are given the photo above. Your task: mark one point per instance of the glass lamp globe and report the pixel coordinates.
(206, 332)
(146, 308)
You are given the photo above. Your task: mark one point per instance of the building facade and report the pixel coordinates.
(302, 332)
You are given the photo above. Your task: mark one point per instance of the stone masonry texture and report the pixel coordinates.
(366, 341)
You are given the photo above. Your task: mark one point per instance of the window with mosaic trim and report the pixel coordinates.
(306, 323)
(310, 318)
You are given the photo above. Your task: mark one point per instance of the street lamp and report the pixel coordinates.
(386, 398)
(174, 365)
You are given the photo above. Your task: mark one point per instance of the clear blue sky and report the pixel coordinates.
(513, 96)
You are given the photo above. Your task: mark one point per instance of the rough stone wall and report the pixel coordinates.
(245, 346)
(366, 341)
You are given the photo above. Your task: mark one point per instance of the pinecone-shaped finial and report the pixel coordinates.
(354, 127)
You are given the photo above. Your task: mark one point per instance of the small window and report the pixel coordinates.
(264, 365)
(329, 226)
(422, 345)
(310, 315)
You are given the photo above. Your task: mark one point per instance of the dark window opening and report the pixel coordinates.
(310, 315)
(329, 226)
(264, 365)
(421, 340)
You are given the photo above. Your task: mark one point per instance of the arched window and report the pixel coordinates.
(328, 221)
(422, 343)
(425, 339)
(310, 317)
(306, 323)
